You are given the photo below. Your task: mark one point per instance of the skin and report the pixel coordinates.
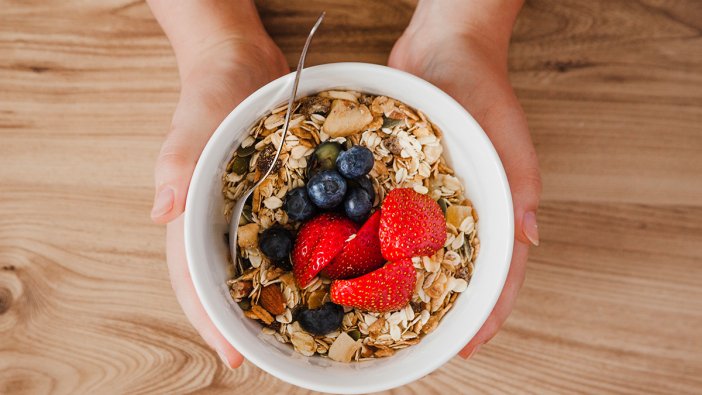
(224, 54)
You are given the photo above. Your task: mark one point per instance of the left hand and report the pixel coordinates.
(473, 70)
(214, 82)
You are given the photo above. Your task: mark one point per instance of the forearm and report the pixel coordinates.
(491, 20)
(192, 25)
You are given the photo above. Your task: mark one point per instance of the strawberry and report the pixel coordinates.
(360, 255)
(385, 289)
(318, 242)
(411, 225)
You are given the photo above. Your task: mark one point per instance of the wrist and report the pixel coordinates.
(223, 50)
(198, 27)
(488, 22)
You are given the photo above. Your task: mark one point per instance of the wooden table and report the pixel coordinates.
(613, 298)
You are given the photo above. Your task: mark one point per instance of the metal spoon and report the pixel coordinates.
(239, 206)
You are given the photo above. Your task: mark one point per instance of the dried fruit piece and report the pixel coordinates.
(384, 289)
(411, 225)
(346, 118)
(272, 299)
(456, 214)
(247, 236)
(265, 159)
(240, 289)
(343, 348)
(314, 105)
(316, 300)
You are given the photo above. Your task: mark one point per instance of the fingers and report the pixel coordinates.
(505, 303)
(185, 293)
(197, 115)
(506, 125)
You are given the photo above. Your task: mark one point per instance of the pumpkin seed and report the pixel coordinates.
(240, 165)
(246, 152)
(245, 304)
(390, 123)
(355, 334)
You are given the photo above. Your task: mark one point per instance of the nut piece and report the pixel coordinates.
(247, 236)
(272, 299)
(314, 105)
(346, 118)
(261, 314)
(456, 214)
(240, 289)
(343, 348)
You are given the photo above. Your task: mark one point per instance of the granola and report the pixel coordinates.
(408, 154)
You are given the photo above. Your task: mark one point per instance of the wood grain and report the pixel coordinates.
(613, 297)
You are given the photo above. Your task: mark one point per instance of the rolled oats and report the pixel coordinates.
(408, 153)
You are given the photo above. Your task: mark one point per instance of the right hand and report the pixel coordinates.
(214, 81)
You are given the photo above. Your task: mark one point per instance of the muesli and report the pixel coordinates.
(316, 232)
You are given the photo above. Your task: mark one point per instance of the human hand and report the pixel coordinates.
(470, 63)
(216, 74)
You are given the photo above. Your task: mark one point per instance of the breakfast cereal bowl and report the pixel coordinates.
(470, 155)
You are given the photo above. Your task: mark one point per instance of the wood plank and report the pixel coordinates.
(613, 297)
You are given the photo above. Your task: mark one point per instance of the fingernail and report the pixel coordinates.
(470, 355)
(163, 202)
(225, 361)
(530, 228)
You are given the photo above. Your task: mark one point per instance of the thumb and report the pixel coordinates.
(525, 182)
(509, 133)
(193, 123)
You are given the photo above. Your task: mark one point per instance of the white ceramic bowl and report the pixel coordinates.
(477, 165)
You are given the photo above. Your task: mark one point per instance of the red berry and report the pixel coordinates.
(318, 242)
(385, 289)
(411, 225)
(360, 255)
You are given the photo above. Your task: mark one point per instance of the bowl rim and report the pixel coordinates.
(194, 270)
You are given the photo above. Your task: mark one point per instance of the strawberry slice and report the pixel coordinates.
(318, 242)
(360, 255)
(411, 225)
(385, 289)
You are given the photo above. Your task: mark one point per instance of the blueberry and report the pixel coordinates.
(323, 320)
(358, 204)
(365, 183)
(357, 161)
(326, 189)
(276, 243)
(323, 158)
(298, 205)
